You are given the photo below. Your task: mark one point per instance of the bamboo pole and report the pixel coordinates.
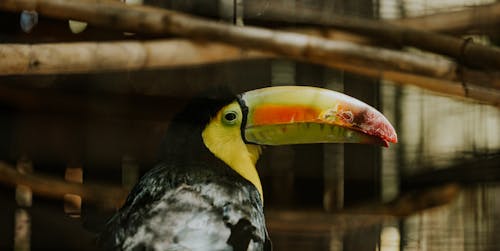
(24, 199)
(478, 17)
(365, 215)
(56, 58)
(133, 55)
(444, 87)
(471, 18)
(485, 170)
(73, 202)
(104, 195)
(464, 51)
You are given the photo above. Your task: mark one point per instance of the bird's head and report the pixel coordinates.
(290, 115)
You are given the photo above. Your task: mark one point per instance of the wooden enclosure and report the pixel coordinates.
(82, 115)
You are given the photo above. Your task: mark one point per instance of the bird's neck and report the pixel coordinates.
(245, 166)
(236, 154)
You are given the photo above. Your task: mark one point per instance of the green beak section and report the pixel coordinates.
(308, 133)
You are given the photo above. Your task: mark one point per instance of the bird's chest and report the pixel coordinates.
(201, 215)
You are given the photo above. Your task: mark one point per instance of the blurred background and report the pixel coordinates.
(437, 189)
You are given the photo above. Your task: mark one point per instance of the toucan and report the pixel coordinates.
(205, 192)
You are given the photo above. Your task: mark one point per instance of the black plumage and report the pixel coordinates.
(190, 200)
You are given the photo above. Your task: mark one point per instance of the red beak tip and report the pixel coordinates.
(385, 143)
(387, 136)
(391, 139)
(394, 137)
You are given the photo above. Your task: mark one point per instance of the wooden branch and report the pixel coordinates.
(108, 56)
(134, 55)
(472, 172)
(316, 222)
(348, 219)
(103, 195)
(468, 53)
(446, 87)
(48, 29)
(472, 18)
(335, 34)
(411, 202)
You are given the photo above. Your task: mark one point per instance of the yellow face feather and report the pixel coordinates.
(222, 136)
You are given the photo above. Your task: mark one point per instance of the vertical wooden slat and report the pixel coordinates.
(392, 160)
(281, 159)
(309, 161)
(23, 193)
(130, 171)
(73, 202)
(24, 199)
(226, 10)
(362, 162)
(22, 231)
(390, 238)
(282, 72)
(333, 198)
(239, 12)
(333, 168)
(362, 172)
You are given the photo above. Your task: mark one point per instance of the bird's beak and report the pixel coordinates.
(300, 115)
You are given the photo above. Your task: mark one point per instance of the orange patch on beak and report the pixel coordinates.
(283, 114)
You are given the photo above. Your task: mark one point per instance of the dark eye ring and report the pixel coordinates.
(230, 117)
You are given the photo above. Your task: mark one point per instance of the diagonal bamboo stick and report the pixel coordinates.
(472, 18)
(56, 58)
(98, 57)
(395, 32)
(133, 55)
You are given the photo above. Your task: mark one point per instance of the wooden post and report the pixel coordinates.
(281, 158)
(24, 199)
(334, 159)
(73, 202)
(362, 162)
(309, 162)
(130, 172)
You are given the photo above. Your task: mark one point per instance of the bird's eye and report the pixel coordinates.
(230, 117)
